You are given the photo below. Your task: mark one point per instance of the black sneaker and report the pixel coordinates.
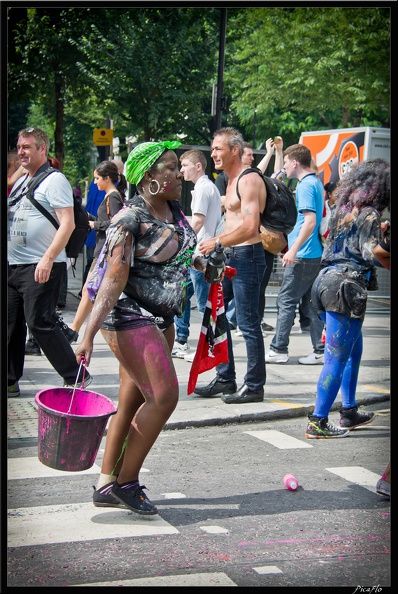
(32, 347)
(216, 387)
(71, 383)
(323, 429)
(71, 335)
(134, 498)
(266, 327)
(102, 497)
(350, 418)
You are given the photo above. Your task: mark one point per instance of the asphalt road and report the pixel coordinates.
(225, 516)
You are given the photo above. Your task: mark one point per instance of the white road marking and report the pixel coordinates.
(21, 468)
(267, 569)
(214, 529)
(357, 475)
(77, 522)
(192, 579)
(279, 440)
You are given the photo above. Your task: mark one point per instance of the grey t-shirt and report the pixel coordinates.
(29, 233)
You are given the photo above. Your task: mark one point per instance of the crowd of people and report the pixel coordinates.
(155, 262)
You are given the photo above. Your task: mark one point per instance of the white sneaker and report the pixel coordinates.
(312, 359)
(180, 350)
(190, 357)
(273, 357)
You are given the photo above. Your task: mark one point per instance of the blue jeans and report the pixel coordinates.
(201, 288)
(249, 261)
(182, 324)
(231, 313)
(297, 279)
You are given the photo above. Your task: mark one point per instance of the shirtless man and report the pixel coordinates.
(244, 251)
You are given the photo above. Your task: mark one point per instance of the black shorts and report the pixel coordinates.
(127, 314)
(342, 292)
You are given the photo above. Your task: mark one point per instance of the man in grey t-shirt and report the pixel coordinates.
(37, 263)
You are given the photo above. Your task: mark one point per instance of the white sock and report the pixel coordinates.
(104, 479)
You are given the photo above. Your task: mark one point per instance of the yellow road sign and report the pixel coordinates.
(103, 136)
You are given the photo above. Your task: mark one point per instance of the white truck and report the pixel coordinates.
(335, 151)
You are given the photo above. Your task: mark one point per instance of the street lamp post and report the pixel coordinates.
(221, 60)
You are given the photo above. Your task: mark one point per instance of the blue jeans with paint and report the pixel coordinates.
(343, 352)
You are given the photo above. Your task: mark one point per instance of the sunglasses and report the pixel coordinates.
(27, 130)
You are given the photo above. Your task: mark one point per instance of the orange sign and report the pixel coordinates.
(335, 152)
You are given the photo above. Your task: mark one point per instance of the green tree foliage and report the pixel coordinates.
(309, 68)
(43, 65)
(287, 69)
(155, 70)
(144, 67)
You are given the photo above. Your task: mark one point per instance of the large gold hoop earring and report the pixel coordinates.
(154, 181)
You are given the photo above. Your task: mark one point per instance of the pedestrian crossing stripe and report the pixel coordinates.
(189, 580)
(357, 475)
(280, 440)
(28, 468)
(47, 524)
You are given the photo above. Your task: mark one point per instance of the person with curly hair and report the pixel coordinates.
(339, 293)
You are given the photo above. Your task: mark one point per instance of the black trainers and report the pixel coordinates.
(351, 417)
(323, 429)
(102, 497)
(216, 387)
(71, 335)
(243, 395)
(32, 347)
(134, 498)
(71, 383)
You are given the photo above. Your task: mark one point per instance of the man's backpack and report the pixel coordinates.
(280, 213)
(82, 227)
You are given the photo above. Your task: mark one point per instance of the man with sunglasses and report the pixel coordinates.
(37, 263)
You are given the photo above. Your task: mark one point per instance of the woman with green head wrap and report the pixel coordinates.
(148, 249)
(143, 156)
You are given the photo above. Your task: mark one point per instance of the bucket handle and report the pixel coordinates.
(82, 361)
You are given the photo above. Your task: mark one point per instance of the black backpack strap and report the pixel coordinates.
(11, 197)
(30, 191)
(248, 170)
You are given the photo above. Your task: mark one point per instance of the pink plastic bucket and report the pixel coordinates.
(70, 440)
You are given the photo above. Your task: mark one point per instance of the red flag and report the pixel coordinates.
(212, 346)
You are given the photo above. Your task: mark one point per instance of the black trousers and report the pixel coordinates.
(33, 304)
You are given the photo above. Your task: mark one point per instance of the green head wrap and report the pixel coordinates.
(143, 156)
